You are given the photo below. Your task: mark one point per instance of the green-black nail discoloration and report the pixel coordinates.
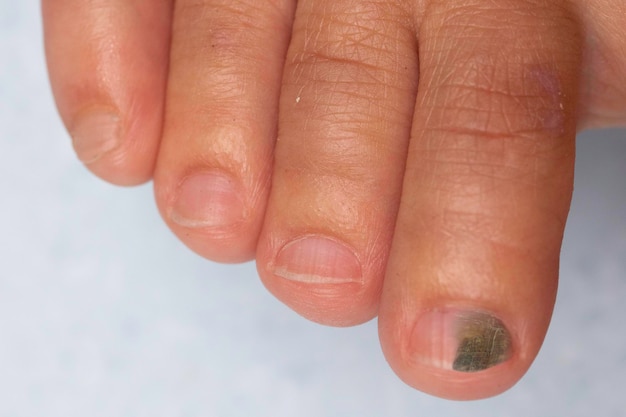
(483, 343)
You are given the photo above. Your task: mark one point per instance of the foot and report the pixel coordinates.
(411, 159)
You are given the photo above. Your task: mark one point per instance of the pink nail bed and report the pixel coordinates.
(317, 260)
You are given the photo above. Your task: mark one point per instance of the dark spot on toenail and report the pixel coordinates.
(483, 342)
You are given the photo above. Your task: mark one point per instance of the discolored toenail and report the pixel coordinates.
(208, 200)
(317, 260)
(461, 341)
(483, 342)
(94, 134)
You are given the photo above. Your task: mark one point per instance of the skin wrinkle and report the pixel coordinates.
(534, 152)
(230, 31)
(481, 119)
(355, 101)
(250, 10)
(492, 176)
(360, 42)
(473, 222)
(347, 87)
(482, 227)
(332, 51)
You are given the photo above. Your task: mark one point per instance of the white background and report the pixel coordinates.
(104, 313)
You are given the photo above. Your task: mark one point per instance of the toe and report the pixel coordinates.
(107, 61)
(214, 166)
(346, 103)
(472, 275)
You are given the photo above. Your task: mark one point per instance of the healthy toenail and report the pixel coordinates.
(94, 134)
(461, 341)
(208, 200)
(317, 260)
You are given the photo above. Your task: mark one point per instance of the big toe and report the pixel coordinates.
(472, 274)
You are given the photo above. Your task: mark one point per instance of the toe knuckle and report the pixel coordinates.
(225, 30)
(356, 33)
(505, 68)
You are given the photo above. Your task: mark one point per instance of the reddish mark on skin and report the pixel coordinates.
(552, 115)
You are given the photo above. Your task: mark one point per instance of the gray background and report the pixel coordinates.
(104, 313)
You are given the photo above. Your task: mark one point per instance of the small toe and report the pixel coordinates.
(214, 168)
(107, 61)
(345, 111)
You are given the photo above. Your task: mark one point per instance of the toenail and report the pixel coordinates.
(94, 134)
(207, 200)
(461, 341)
(318, 260)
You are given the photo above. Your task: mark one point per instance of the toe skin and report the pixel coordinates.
(108, 75)
(214, 168)
(472, 275)
(346, 102)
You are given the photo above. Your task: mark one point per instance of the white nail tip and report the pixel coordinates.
(312, 279)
